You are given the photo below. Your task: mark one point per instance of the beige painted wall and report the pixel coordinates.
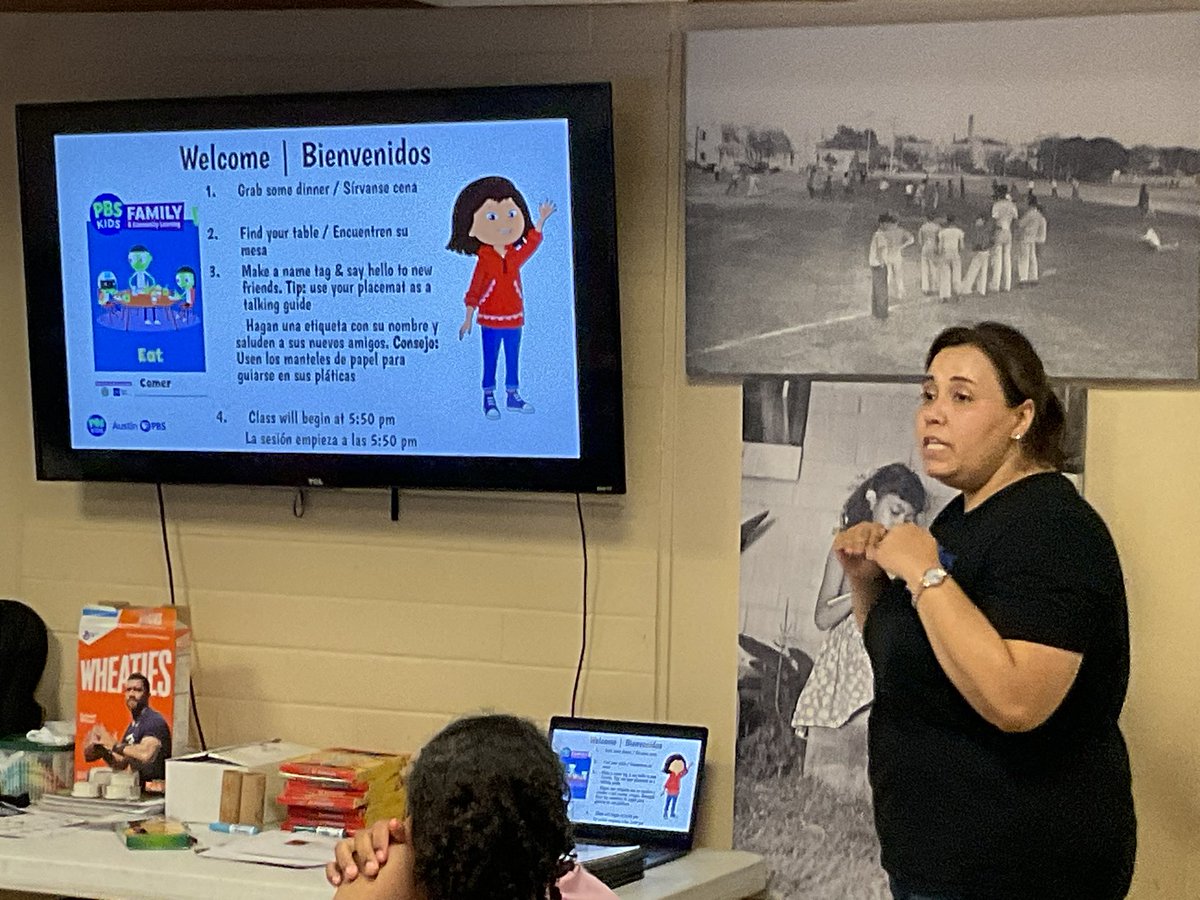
(343, 626)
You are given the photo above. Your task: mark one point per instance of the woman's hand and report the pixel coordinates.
(853, 547)
(544, 212)
(908, 550)
(365, 852)
(465, 328)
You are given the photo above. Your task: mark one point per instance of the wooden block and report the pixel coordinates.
(231, 795)
(254, 792)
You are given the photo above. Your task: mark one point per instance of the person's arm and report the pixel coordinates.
(867, 580)
(1015, 685)
(140, 754)
(394, 880)
(365, 851)
(833, 600)
(481, 279)
(517, 256)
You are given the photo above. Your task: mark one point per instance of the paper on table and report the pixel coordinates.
(277, 848)
(34, 824)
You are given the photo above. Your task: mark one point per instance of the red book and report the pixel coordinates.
(298, 794)
(346, 765)
(301, 815)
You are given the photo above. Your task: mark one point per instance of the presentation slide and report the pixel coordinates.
(374, 289)
(634, 781)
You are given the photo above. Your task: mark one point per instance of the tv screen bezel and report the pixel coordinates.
(587, 107)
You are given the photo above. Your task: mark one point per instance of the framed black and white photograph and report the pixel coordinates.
(819, 456)
(850, 191)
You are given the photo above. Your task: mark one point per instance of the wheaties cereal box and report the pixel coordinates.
(131, 699)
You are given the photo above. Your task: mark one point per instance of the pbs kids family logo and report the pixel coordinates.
(107, 211)
(96, 425)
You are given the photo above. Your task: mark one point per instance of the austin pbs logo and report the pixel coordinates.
(96, 425)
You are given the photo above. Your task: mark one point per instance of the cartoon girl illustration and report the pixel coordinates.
(840, 684)
(674, 768)
(492, 221)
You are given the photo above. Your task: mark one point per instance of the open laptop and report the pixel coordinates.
(632, 782)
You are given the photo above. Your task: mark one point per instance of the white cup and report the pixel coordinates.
(117, 791)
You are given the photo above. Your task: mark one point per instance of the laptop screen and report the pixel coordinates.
(635, 781)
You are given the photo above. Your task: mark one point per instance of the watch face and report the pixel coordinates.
(933, 577)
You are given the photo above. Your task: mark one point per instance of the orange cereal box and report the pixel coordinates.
(131, 697)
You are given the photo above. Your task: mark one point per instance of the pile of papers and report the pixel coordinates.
(19, 823)
(98, 811)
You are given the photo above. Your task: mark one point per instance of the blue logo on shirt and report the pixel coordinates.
(946, 558)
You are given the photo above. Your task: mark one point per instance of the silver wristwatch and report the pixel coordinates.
(931, 578)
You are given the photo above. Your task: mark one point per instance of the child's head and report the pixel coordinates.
(186, 277)
(675, 763)
(488, 211)
(487, 798)
(890, 495)
(139, 258)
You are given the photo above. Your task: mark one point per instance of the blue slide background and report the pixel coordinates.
(431, 406)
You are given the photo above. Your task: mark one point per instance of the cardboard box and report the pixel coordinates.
(194, 781)
(116, 646)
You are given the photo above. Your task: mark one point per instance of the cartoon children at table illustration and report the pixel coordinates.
(491, 220)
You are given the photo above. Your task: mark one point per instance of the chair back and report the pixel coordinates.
(23, 649)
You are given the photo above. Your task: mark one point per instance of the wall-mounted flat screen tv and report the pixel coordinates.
(411, 288)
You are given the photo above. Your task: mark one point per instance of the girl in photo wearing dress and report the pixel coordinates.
(840, 685)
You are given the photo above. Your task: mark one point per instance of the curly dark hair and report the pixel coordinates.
(487, 797)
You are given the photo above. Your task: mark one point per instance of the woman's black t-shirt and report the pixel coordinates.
(961, 806)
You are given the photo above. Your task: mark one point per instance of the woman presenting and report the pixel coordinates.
(1000, 651)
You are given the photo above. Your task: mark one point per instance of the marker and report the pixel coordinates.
(323, 830)
(230, 828)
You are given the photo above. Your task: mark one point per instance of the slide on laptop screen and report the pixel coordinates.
(632, 782)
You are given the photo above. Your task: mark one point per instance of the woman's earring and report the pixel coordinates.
(1017, 436)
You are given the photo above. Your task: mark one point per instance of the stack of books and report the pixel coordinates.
(340, 791)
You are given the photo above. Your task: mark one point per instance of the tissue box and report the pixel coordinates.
(194, 781)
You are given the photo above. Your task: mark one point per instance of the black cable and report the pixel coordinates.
(162, 521)
(583, 639)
